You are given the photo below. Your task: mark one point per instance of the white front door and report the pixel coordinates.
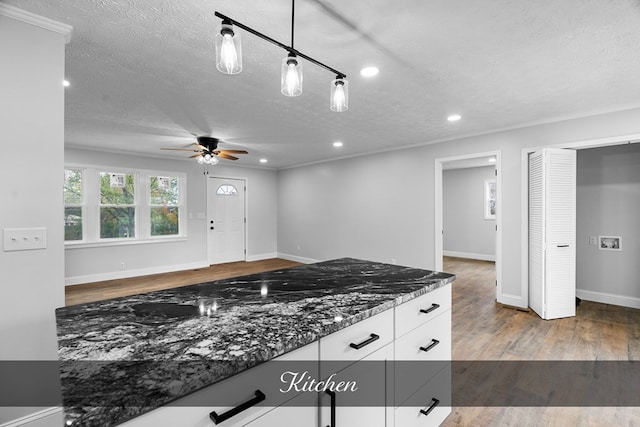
(225, 220)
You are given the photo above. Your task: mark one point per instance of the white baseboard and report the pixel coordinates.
(298, 258)
(75, 280)
(261, 257)
(605, 298)
(45, 418)
(513, 301)
(469, 255)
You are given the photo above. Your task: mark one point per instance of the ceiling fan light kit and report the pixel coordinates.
(229, 61)
(207, 152)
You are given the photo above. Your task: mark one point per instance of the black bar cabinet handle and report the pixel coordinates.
(332, 394)
(217, 419)
(563, 246)
(434, 403)
(368, 341)
(430, 309)
(434, 342)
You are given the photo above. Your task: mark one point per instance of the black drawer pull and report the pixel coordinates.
(562, 246)
(372, 338)
(332, 394)
(217, 419)
(434, 342)
(430, 309)
(434, 403)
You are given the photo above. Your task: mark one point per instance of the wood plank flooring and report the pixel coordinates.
(485, 330)
(97, 291)
(482, 330)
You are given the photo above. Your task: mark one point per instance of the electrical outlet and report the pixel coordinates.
(298, 248)
(122, 266)
(393, 261)
(593, 240)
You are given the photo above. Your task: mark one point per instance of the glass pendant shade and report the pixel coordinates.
(339, 95)
(291, 77)
(228, 49)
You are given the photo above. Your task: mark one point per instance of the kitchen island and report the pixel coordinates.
(142, 352)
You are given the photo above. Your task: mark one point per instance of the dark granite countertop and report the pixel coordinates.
(241, 322)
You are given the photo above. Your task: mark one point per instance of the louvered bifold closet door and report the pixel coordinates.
(552, 239)
(560, 261)
(536, 232)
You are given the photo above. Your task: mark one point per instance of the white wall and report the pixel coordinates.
(467, 233)
(608, 203)
(381, 206)
(31, 164)
(86, 264)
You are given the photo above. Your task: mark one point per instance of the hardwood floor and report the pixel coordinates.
(482, 330)
(90, 292)
(485, 330)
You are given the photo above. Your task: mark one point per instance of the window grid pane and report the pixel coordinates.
(117, 205)
(73, 200)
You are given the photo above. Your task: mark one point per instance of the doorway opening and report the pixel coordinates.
(468, 192)
(588, 243)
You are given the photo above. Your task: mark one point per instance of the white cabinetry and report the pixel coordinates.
(422, 372)
(417, 331)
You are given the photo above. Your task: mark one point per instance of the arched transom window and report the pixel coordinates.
(227, 190)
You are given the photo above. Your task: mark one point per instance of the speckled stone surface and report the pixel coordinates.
(234, 324)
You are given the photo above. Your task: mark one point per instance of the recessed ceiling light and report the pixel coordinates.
(369, 71)
(454, 117)
(263, 160)
(337, 144)
(66, 83)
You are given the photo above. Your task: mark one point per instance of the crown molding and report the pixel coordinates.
(37, 20)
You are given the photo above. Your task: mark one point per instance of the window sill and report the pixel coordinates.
(82, 245)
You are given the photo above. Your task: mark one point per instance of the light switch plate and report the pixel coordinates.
(24, 239)
(593, 240)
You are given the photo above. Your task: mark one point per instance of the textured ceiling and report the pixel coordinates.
(143, 71)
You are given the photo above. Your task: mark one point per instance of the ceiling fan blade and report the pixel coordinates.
(202, 147)
(195, 155)
(234, 151)
(180, 149)
(226, 156)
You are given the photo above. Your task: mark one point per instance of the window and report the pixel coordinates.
(117, 205)
(73, 205)
(164, 203)
(227, 190)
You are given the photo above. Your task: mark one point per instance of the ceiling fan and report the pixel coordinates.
(206, 150)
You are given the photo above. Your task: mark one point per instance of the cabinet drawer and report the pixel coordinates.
(421, 410)
(367, 406)
(412, 314)
(369, 335)
(293, 414)
(421, 354)
(193, 410)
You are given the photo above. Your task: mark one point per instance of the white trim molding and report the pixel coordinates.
(468, 255)
(53, 416)
(606, 298)
(90, 278)
(298, 258)
(36, 20)
(260, 257)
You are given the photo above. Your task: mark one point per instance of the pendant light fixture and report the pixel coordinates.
(339, 97)
(228, 49)
(229, 61)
